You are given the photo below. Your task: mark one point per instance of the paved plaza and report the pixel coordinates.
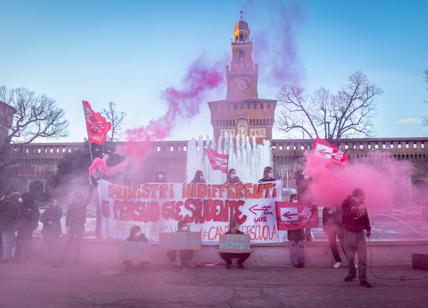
(106, 285)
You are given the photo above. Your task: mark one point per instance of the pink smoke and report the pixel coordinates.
(100, 165)
(182, 103)
(386, 182)
(275, 48)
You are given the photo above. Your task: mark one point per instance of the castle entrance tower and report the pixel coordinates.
(242, 112)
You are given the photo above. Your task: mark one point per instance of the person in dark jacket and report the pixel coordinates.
(333, 228)
(267, 175)
(199, 177)
(27, 223)
(232, 178)
(302, 184)
(10, 205)
(75, 223)
(51, 219)
(185, 255)
(355, 222)
(296, 239)
(227, 257)
(135, 235)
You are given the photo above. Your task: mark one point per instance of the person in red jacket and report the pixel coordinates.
(356, 227)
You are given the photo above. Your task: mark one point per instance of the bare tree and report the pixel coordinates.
(115, 118)
(35, 116)
(330, 116)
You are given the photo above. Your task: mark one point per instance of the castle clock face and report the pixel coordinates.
(242, 84)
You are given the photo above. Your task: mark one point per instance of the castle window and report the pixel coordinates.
(376, 146)
(361, 146)
(391, 146)
(399, 146)
(415, 145)
(407, 146)
(158, 149)
(261, 105)
(171, 149)
(422, 145)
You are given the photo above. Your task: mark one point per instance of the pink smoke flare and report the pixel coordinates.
(182, 103)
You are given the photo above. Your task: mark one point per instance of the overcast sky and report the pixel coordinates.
(129, 51)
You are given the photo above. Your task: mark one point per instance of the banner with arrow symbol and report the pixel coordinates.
(294, 216)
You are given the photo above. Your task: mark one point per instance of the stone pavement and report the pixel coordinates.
(106, 285)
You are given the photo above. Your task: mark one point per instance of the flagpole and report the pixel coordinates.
(89, 143)
(90, 151)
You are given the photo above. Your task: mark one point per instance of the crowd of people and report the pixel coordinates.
(347, 224)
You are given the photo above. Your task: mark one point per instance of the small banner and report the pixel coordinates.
(234, 243)
(296, 215)
(329, 151)
(217, 160)
(96, 125)
(180, 240)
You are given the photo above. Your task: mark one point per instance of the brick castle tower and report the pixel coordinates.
(242, 112)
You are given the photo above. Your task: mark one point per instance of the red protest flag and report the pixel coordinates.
(295, 215)
(217, 160)
(329, 151)
(96, 125)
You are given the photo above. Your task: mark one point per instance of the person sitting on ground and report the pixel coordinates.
(355, 222)
(296, 239)
(232, 178)
(185, 255)
(333, 228)
(267, 175)
(135, 235)
(227, 256)
(199, 177)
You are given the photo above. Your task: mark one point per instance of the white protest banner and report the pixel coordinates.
(208, 208)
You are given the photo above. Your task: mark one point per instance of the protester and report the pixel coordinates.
(10, 205)
(302, 184)
(267, 175)
(227, 256)
(199, 177)
(51, 231)
(232, 178)
(333, 228)
(75, 222)
(355, 221)
(27, 223)
(296, 239)
(185, 255)
(135, 235)
(160, 178)
(127, 180)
